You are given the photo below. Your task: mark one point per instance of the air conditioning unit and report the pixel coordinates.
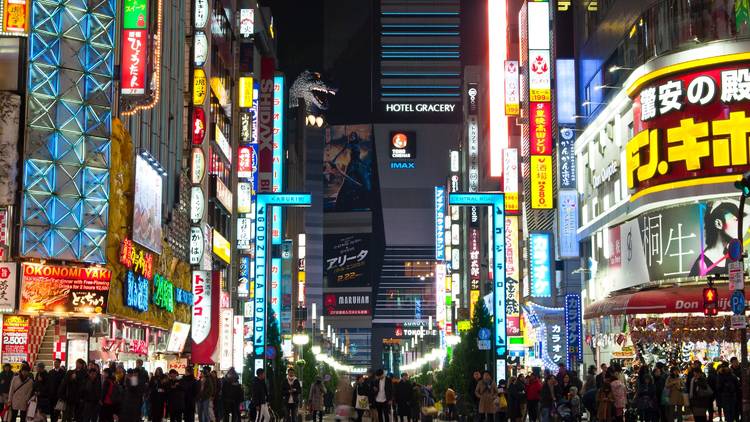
(100, 328)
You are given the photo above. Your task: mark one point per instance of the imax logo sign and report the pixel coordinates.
(398, 165)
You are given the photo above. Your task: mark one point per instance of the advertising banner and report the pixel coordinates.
(439, 223)
(265, 125)
(539, 76)
(177, 337)
(512, 276)
(133, 65)
(690, 129)
(403, 145)
(566, 159)
(512, 91)
(540, 121)
(567, 220)
(135, 14)
(8, 287)
(345, 261)
(53, 288)
(540, 264)
(541, 182)
(346, 304)
(147, 210)
(573, 327)
(510, 178)
(15, 346)
(204, 329)
(15, 16)
(347, 168)
(226, 342)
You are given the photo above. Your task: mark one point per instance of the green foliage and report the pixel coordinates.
(466, 359)
(276, 368)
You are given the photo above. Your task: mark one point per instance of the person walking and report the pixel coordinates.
(450, 404)
(92, 396)
(548, 397)
(486, 392)
(111, 397)
(590, 382)
(231, 396)
(621, 398)
(727, 389)
(70, 391)
(129, 409)
(316, 399)
(190, 386)
(503, 401)
(259, 396)
(175, 397)
(701, 396)
(290, 393)
(56, 377)
(19, 394)
(6, 376)
(517, 399)
(476, 377)
(42, 392)
(206, 391)
(645, 399)
(360, 399)
(673, 385)
(605, 400)
(157, 394)
(381, 391)
(533, 395)
(403, 395)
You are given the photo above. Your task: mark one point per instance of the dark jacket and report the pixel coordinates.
(92, 391)
(175, 395)
(206, 388)
(360, 390)
(260, 392)
(56, 378)
(43, 391)
(548, 396)
(516, 397)
(5, 379)
(132, 401)
(190, 386)
(375, 388)
(72, 387)
(727, 387)
(231, 391)
(403, 393)
(292, 390)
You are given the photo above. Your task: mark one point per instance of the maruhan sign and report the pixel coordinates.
(419, 108)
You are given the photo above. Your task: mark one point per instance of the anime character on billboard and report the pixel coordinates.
(349, 170)
(719, 224)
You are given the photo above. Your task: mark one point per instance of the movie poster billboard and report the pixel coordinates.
(347, 168)
(688, 240)
(147, 206)
(345, 260)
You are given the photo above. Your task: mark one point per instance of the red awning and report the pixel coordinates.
(669, 300)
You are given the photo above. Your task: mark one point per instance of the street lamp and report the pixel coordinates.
(614, 68)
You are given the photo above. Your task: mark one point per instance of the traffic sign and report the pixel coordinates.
(738, 322)
(736, 276)
(735, 249)
(483, 344)
(484, 334)
(738, 302)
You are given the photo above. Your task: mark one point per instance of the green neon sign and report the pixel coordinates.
(163, 293)
(135, 14)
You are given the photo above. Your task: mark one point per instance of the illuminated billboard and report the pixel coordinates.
(540, 264)
(498, 52)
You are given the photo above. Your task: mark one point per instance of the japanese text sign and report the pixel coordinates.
(133, 64)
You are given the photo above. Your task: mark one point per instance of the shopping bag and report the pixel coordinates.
(31, 410)
(362, 403)
(60, 406)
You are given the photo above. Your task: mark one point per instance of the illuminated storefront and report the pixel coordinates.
(656, 169)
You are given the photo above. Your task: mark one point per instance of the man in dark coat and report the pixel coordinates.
(132, 398)
(381, 395)
(290, 393)
(259, 396)
(516, 399)
(190, 386)
(403, 397)
(56, 377)
(175, 397)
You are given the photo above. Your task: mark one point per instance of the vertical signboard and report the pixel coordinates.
(512, 276)
(440, 308)
(439, 223)
(541, 182)
(277, 178)
(510, 179)
(566, 159)
(497, 24)
(573, 328)
(204, 324)
(540, 132)
(512, 94)
(540, 264)
(265, 125)
(133, 63)
(568, 223)
(8, 287)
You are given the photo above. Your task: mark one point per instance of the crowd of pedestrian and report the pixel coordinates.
(88, 393)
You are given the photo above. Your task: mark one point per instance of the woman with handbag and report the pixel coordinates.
(360, 397)
(20, 392)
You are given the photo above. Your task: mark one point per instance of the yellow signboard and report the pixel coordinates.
(15, 16)
(200, 87)
(221, 248)
(541, 182)
(246, 92)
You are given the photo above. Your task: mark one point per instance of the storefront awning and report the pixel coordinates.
(669, 300)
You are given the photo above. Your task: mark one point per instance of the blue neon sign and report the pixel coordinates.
(264, 201)
(497, 202)
(540, 265)
(276, 288)
(136, 291)
(439, 223)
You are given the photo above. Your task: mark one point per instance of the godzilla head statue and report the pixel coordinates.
(311, 88)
